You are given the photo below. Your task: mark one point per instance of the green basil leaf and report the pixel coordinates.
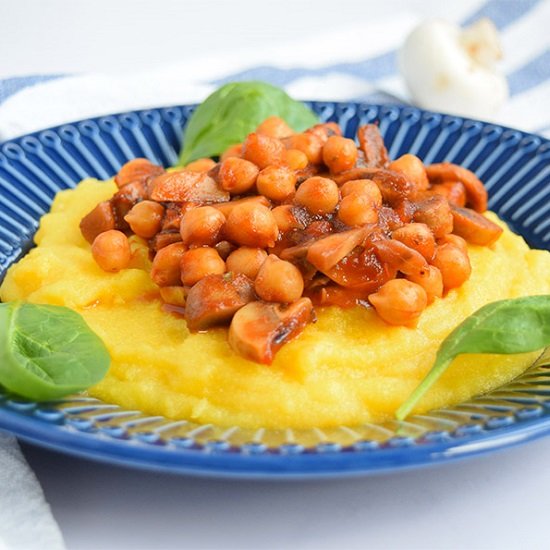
(228, 115)
(47, 352)
(509, 326)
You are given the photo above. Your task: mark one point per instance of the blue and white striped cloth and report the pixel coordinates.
(363, 68)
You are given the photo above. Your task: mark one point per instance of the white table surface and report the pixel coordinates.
(496, 501)
(499, 501)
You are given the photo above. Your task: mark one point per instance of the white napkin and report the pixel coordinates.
(26, 522)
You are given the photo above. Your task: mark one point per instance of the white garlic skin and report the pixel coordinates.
(450, 70)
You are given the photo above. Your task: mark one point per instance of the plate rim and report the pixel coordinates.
(227, 464)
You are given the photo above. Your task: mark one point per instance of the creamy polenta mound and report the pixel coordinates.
(348, 368)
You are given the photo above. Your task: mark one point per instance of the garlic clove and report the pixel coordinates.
(481, 42)
(447, 69)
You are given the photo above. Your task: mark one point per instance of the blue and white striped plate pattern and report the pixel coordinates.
(516, 169)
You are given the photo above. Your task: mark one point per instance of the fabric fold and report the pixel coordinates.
(26, 521)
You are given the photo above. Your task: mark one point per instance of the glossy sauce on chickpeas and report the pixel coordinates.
(286, 222)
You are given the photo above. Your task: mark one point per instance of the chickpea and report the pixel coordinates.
(139, 251)
(458, 241)
(235, 151)
(414, 170)
(318, 195)
(417, 236)
(363, 187)
(454, 265)
(246, 260)
(200, 262)
(310, 144)
(237, 175)
(279, 281)
(285, 218)
(399, 302)
(252, 224)
(145, 218)
(276, 182)
(339, 154)
(357, 209)
(111, 250)
(263, 150)
(430, 280)
(296, 160)
(201, 226)
(274, 127)
(201, 165)
(166, 269)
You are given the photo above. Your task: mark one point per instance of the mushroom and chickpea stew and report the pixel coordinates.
(288, 222)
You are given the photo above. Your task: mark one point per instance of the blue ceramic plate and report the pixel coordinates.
(516, 169)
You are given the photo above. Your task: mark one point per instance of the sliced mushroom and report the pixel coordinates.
(474, 227)
(476, 194)
(163, 239)
(314, 231)
(372, 145)
(259, 329)
(288, 217)
(388, 219)
(133, 192)
(394, 186)
(100, 219)
(216, 298)
(435, 212)
(172, 217)
(185, 185)
(327, 252)
(137, 170)
(453, 191)
(405, 209)
(296, 253)
(357, 173)
(401, 257)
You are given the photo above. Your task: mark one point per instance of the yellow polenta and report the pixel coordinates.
(348, 368)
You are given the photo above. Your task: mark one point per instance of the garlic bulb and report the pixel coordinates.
(453, 70)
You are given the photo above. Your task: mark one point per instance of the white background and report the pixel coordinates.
(497, 501)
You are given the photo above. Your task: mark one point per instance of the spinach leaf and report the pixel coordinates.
(507, 326)
(228, 115)
(48, 351)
